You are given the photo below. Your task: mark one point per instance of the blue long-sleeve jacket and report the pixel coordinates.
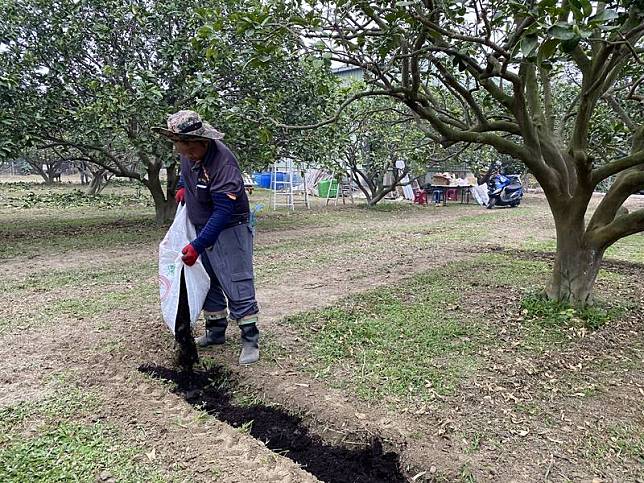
(221, 216)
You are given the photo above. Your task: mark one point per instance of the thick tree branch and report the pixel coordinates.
(456, 36)
(548, 104)
(120, 169)
(626, 184)
(500, 126)
(582, 60)
(528, 74)
(621, 113)
(339, 111)
(568, 115)
(620, 227)
(464, 93)
(503, 145)
(617, 166)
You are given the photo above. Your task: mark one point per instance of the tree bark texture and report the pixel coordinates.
(577, 262)
(165, 207)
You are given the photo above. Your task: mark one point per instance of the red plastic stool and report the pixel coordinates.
(420, 197)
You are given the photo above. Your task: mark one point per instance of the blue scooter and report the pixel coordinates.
(504, 190)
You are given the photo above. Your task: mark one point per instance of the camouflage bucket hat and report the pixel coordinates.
(188, 126)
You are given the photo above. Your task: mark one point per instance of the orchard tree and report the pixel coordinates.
(48, 164)
(89, 79)
(297, 92)
(505, 65)
(372, 136)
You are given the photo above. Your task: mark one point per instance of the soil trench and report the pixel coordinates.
(282, 432)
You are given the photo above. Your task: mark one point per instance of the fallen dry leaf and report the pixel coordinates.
(151, 455)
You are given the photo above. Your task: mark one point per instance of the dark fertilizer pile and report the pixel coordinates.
(282, 432)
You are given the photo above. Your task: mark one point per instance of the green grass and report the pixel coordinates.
(55, 440)
(630, 248)
(106, 274)
(37, 219)
(358, 239)
(100, 302)
(73, 452)
(90, 292)
(552, 313)
(28, 233)
(268, 221)
(64, 220)
(539, 245)
(616, 442)
(549, 323)
(505, 272)
(104, 301)
(115, 187)
(63, 404)
(467, 475)
(359, 213)
(398, 341)
(74, 198)
(244, 399)
(21, 223)
(472, 442)
(416, 339)
(321, 241)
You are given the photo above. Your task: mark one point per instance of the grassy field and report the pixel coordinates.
(428, 317)
(56, 439)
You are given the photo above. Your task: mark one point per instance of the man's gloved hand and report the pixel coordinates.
(190, 255)
(180, 196)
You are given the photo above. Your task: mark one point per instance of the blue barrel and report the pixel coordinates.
(257, 179)
(265, 180)
(278, 180)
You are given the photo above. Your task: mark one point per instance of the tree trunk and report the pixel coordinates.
(361, 180)
(85, 173)
(172, 180)
(381, 190)
(379, 195)
(98, 183)
(165, 208)
(95, 186)
(577, 262)
(45, 176)
(165, 211)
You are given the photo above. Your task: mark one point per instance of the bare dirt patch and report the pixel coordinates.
(177, 438)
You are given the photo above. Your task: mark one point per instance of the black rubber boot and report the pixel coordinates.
(250, 344)
(215, 333)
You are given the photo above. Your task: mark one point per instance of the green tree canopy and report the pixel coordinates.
(373, 136)
(89, 80)
(535, 80)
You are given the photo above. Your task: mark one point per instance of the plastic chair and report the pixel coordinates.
(420, 197)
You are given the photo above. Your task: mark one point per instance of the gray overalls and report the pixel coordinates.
(229, 262)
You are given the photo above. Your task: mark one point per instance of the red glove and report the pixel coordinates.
(190, 255)
(180, 196)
